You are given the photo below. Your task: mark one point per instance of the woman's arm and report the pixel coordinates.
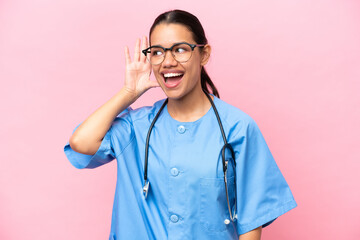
(252, 235)
(88, 136)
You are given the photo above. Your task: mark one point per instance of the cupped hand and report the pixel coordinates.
(138, 70)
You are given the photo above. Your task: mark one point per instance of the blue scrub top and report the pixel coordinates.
(187, 197)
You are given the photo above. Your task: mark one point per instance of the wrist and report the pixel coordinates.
(129, 94)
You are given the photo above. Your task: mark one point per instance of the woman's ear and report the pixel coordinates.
(205, 54)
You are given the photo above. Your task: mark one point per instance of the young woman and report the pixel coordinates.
(191, 166)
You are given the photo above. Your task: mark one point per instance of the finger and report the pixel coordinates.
(146, 42)
(127, 56)
(143, 46)
(137, 50)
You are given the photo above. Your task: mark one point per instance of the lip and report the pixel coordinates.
(171, 71)
(171, 85)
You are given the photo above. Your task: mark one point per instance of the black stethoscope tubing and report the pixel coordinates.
(223, 149)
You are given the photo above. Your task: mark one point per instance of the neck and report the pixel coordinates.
(190, 107)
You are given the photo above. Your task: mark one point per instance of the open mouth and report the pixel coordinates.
(172, 79)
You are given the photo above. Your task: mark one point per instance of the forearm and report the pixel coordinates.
(252, 235)
(88, 136)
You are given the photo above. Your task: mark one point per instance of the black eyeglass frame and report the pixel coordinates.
(192, 46)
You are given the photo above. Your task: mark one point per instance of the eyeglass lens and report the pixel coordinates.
(181, 53)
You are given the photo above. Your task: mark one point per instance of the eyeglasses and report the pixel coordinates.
(180, 51)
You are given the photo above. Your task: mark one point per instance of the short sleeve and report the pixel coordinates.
(115, 140)
(262, 192)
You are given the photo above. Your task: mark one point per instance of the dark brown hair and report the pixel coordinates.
(194, 26)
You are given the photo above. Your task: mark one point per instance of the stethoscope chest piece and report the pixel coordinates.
(146, 188)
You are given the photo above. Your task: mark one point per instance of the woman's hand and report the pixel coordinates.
(137, 73)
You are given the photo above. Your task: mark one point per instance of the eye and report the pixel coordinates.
(157, 52)
(180, 50)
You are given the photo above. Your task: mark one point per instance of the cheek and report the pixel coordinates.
(195, 70)
(195, 65)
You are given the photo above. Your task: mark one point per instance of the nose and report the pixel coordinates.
(169, 60)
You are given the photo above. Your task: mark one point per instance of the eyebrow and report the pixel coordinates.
(158, 45)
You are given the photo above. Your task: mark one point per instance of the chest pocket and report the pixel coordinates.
(213, 203)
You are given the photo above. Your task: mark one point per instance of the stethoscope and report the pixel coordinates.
(224, 160)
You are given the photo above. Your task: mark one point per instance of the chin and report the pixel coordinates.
(174, 94)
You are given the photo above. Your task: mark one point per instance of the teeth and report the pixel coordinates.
(172, 74)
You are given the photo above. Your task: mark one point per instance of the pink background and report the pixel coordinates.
(294, 66)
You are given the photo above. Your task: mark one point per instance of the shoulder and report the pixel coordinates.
(142, 113)
(235, 120)
(130, 118)
(231, 114)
